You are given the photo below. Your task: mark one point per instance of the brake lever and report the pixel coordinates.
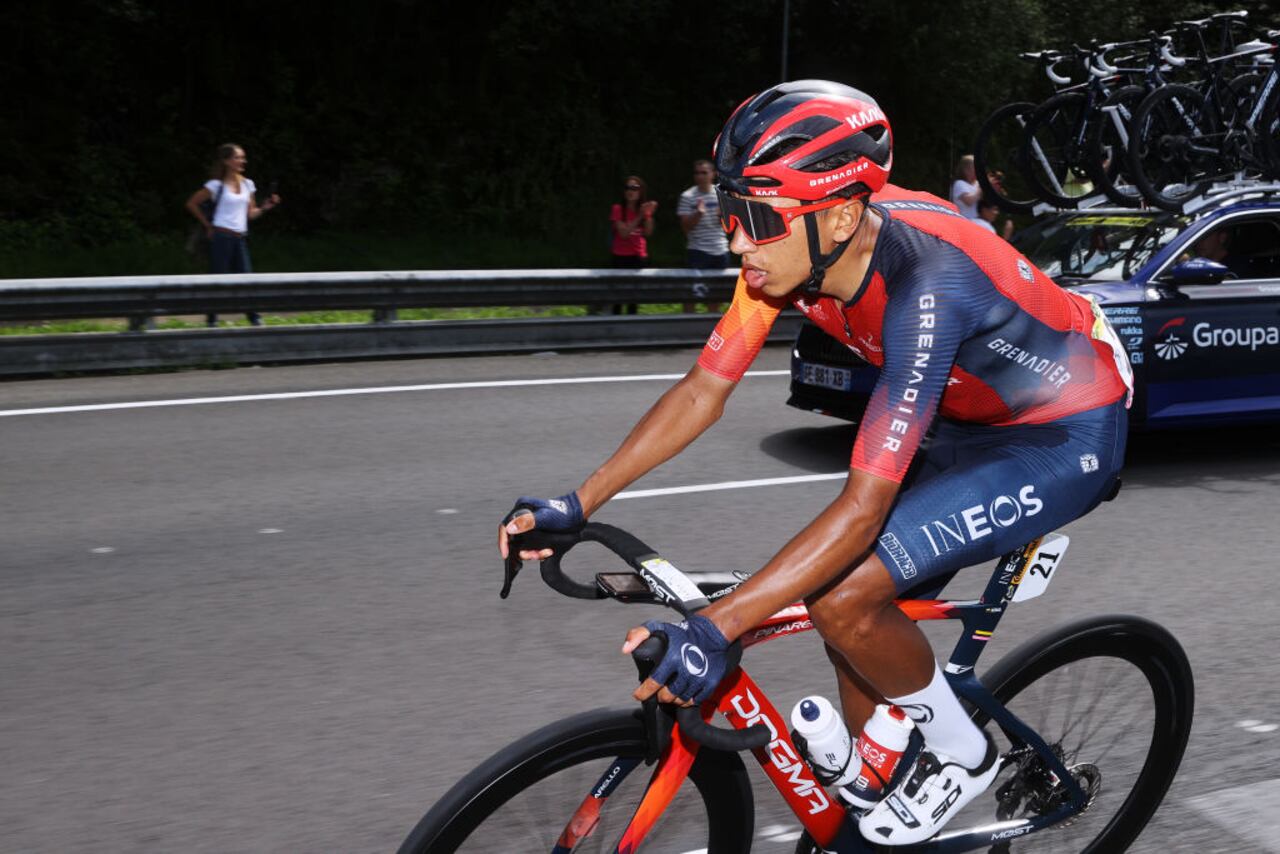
(558, 541)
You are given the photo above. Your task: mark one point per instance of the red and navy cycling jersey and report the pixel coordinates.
(960, 324)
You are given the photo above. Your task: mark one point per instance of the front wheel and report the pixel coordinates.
(997, 158)
(1268, 133)
(1107, 147)
(525, 796)
(1053, 150)
(1113, 697)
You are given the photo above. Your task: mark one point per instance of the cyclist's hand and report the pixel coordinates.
(556, 514)
(692, 666)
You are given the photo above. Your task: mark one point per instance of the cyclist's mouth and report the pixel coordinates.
(754, 276)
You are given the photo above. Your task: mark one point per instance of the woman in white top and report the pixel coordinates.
(965, 191)
(230, 196)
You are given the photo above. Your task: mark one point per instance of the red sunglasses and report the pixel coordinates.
(763, 223)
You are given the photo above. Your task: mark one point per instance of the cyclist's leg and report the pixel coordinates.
(996, 489)
(1008, 486)
(835, 608)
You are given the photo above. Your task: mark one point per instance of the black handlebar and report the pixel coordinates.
(650, 652)
(630, 548)
(624, 545)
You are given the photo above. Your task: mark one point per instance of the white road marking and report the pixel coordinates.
(345, 392)
(1257, 726)
(447, 511)
(779, 833)
(102, 550)
(731, 484)
(271, 531)
(1251, 812)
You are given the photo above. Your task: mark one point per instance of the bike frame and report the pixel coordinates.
(743, 703)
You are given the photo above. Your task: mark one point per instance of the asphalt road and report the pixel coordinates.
(273, 624)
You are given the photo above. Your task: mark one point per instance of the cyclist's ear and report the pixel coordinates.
(843, 219)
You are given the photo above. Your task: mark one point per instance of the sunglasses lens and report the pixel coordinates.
(759, 220)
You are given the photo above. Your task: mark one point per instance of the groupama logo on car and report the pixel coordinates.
(1169, 345)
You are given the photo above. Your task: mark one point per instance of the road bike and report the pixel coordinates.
(1091, 720)
(1183, 138)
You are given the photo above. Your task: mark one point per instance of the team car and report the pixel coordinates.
(1194, 297)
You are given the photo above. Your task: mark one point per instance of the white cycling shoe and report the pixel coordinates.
(936, 789)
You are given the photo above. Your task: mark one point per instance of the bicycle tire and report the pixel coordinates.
(720, 780)
(996, 150)
(1159, 657)
(1165, 167)
(1268, 132)
(1055, 164)
(1107, 150)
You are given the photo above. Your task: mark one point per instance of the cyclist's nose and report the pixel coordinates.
(741, 244)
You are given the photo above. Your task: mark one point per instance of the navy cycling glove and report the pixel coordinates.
(555, 514)
(694, 662)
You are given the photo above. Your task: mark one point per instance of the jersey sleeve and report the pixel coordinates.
(741, 332)
(929, 314)
(684, 205)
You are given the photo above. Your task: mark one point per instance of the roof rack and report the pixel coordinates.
(1220, 194)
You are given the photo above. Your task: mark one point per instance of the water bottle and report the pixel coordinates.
(880, 747)
(820, 733)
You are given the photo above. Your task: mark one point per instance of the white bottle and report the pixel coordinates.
(879, 748)
(825, 741)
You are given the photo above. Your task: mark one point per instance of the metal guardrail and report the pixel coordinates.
(383, 292)
(141, 298)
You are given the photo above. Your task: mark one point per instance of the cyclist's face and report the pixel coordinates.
(779, 267)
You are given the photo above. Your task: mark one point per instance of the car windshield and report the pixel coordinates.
(1101, 247)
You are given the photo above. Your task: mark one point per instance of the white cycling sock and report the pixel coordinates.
(943, 722)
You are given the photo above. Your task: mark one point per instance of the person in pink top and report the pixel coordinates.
(632, 221)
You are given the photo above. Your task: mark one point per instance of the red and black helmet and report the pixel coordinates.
(807, 140)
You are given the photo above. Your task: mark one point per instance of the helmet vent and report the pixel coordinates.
(792, 137)
(780, 147)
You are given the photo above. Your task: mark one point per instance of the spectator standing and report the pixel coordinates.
(965, 191)
(234, 205)
(989, 213)
(632, 221)
(707, 246)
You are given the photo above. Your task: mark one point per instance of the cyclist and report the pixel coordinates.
(1024, 385)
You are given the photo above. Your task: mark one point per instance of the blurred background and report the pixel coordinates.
(429, 135)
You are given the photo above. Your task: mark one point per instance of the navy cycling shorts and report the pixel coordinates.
(982, 491)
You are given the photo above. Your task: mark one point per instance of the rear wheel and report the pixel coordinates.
(522, 798)
(1113, 697)
(996, 157)
(1174, 148)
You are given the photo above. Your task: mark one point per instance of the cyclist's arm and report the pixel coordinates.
(838, 539)
(686, 410)
(694, 403)
(681, 415)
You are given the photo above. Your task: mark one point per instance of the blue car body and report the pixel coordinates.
(1205, 349)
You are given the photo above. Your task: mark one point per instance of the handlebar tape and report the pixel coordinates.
(648, 653)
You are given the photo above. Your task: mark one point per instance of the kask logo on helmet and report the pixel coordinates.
(862, 118)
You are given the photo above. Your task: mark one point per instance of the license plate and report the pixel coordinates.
(826, 377)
